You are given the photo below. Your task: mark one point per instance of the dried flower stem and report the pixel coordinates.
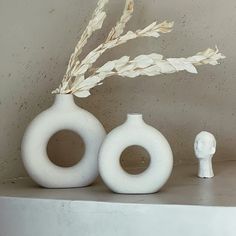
(151, 30)
(153, 64)
(120, 25)
(146, 65)
(94, 24)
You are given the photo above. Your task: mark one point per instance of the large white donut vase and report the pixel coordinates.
(64, 114)
(135, 132)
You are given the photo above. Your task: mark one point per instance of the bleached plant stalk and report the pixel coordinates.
(94, 24)
(146, 65)
(151, 30)
(76, 83)
(120, 25)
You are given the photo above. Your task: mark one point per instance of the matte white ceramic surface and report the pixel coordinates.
(205, 148)
(63, 115)
(135, 132)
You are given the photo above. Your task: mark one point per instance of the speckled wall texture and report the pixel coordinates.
(37, 38)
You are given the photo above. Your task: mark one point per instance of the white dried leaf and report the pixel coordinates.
(176, 63)
(82, 94)
(56, 91)
(110, 44)
(188, 66)
(151, 71)
(121, 62)
(182, 64)
(196, 58)
(213, 60)
(81, 70)
(91, 58)
(166, 68)
(152, 34)
(208, 52)
(156, 57)
(120, 25)
(218, 56)
(64, 85)
(148, 28)
(109, 66)
(78, 80)
(210, 61)
(165, 27)
(97, 22)
(130, 74)
(93, 79)
(128, 36)
(127, 67)
(86, 86)
(143, 61)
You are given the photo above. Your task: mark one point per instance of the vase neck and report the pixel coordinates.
(134, 118)
(205, 167)
(64, 100)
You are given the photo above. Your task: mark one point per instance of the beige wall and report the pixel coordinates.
(37, 37)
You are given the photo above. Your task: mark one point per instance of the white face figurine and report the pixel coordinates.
(205, 148)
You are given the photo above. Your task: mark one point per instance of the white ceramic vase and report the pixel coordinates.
(63, 114)
(135, 132)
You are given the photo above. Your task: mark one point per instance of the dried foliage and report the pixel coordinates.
(94, 24)
(153, 64)
(120, 25)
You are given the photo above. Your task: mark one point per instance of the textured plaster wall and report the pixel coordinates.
(37, 38)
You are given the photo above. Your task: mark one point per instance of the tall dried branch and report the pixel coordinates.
(120, 25)
(146, 65)
(74, 80)
(80, 68)
(151, 30)
(94, 24)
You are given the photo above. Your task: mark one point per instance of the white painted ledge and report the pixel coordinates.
(187, 206)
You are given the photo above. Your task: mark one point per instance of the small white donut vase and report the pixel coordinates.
(135, 132)
(64, 114)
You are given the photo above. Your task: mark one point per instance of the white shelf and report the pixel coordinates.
(186, 205)
(183, 188)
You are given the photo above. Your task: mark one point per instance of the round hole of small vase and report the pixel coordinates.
(65, 148)
(135, 159)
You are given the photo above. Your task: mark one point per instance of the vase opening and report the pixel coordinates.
(65, 148)
(135, 159)
(134, 117)
(65, 100)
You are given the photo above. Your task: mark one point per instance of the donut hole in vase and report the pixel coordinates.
(65, 148)
(135, 159)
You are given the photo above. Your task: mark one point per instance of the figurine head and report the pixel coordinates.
(205, 145)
